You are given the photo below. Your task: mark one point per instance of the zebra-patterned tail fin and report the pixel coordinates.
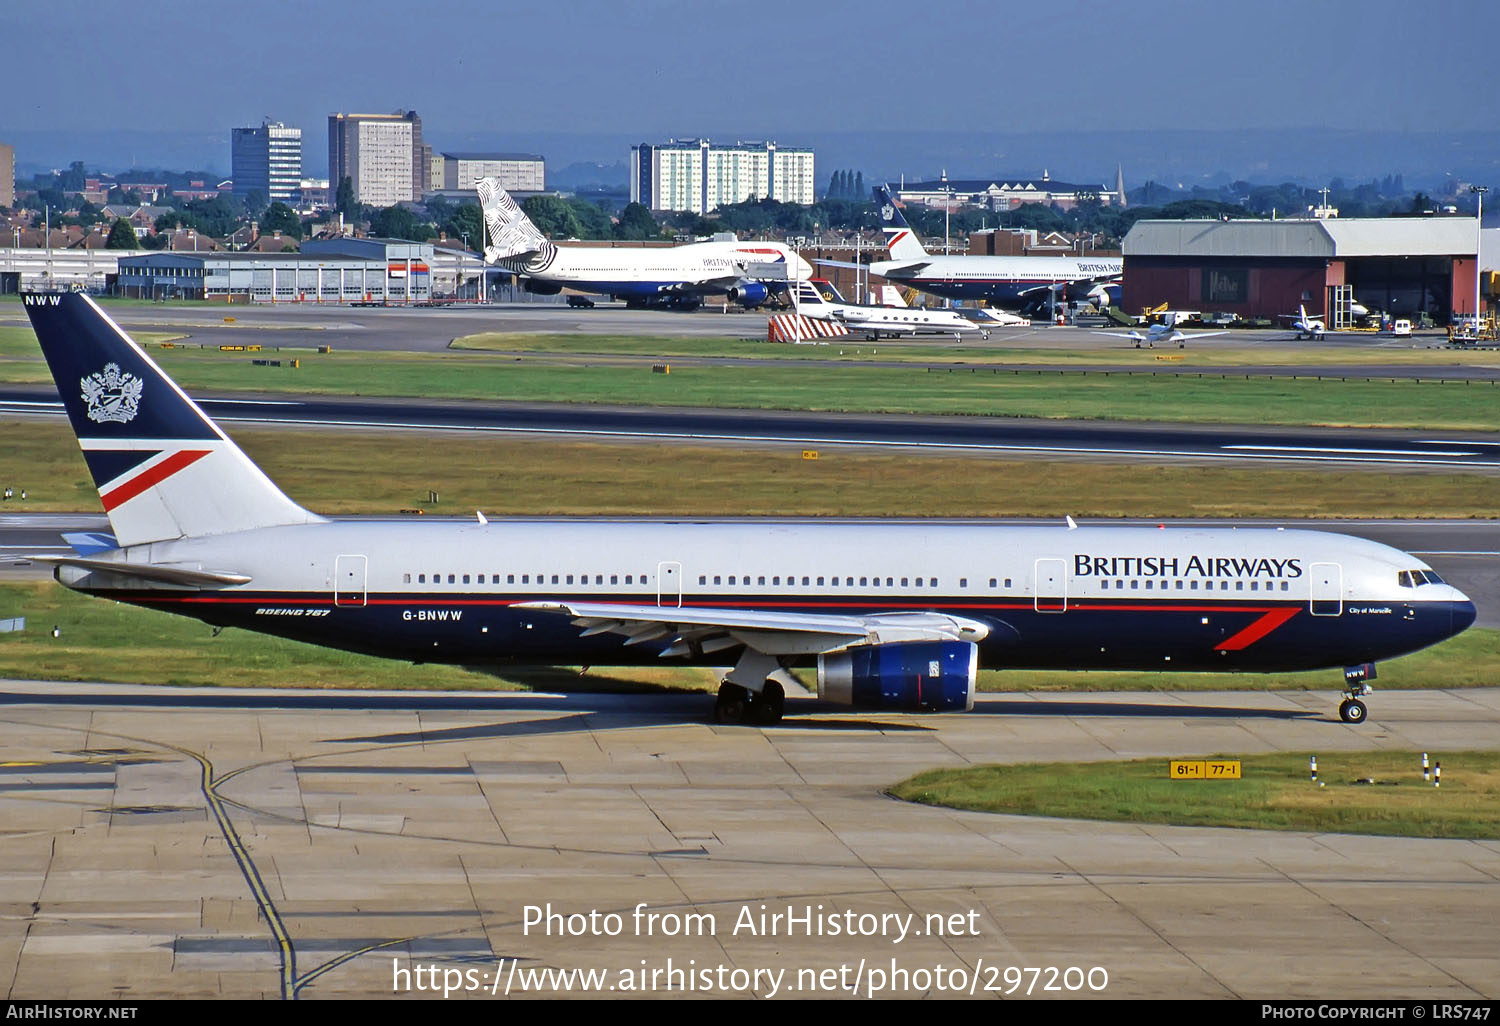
(511, 235)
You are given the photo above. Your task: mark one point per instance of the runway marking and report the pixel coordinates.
(253, 402)
(1293, 453)
(1379, 452)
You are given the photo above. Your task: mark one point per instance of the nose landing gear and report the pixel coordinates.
(1357, 685)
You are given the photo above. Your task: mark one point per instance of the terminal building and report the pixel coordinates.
(1402, 266)
(1001, 194)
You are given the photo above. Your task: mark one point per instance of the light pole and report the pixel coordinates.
(463, 260)
(1478, 191)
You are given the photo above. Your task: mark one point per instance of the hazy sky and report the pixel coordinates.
(784, 70)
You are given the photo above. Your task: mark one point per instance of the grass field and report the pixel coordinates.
(1007, 347)
(1364, 793)
(330, 472)
(109, 641)
(1179, 397)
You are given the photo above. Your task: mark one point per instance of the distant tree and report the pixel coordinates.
(158, 241)
(399, 222)
(553, 217)
(464, 218)
(74, 178)
(281, 218)
(344, 201)
(1420, 203)
(859, 186)
(122, 236)
(636, 222)
(255, 203)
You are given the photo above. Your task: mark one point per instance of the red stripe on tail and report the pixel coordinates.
(152, 476)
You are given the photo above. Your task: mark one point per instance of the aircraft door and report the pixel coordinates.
(669, 584)
(349, 580)
(1326, 589)
(1051, 586)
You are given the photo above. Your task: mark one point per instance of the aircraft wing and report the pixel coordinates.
(700, 629)
(1119, 334)
(905, 270)
(1203, 334)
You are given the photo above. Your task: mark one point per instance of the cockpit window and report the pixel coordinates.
(1404, 579)
(1432, 578)
(1417, 578)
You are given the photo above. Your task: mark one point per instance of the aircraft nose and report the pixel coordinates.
(1464, 614)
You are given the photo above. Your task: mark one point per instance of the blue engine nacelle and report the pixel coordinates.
(920, 676)
(749, 295)
(540, 288)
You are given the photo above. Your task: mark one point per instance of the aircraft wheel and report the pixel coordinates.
(732, 704)
(1352, 710)
(770, 705)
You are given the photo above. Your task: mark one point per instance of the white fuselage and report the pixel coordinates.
(1128, 597)
(645, 271)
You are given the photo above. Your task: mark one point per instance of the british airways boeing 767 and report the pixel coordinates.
(894, 616)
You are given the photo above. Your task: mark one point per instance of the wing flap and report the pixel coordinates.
(772, 632)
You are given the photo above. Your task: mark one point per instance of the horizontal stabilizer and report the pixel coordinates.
(147, 571)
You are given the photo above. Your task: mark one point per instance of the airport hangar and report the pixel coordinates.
(1404, 266)
(327, 271)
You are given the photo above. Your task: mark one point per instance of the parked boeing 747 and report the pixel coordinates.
(893, 616)
(748, 273)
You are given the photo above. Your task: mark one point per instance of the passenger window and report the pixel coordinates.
(993, 582)
(760, 581)
(776, 581)
(702, 578)
(615, 579)
(804, 582)
(450, 579)
(627, 578)
(466, 578)
(554, 579)
(864, 582)
(963, 582)
(731, 579)
(510, 578)
(718, 579)
(1104, 585)
(1007, 582)
(421, 578)
(570, 578)
(835, 582)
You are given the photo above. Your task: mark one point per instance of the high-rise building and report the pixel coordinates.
(7, 176)
(267, 160)
(698, 176)
(516, 172)
(381, 154)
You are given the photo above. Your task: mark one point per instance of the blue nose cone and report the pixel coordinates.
(1464, 614)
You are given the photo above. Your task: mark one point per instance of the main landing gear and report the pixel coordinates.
(737, 705)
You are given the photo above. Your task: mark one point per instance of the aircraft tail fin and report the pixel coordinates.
(163, 468)
(891, 296)
(899, 238)
(510, 232)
